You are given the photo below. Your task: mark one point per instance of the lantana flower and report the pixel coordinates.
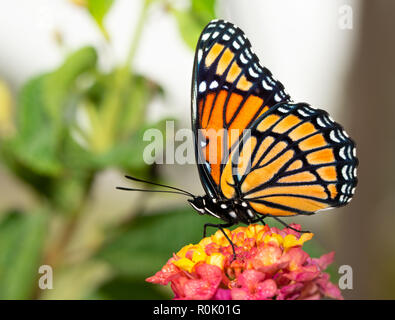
(270, 264)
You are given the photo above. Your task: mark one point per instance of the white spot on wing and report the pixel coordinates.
(344, 172)
(321, 123)
(200, 54)
(213, 84)
(265, 85)
(342, 153)
(243, 59)
(333, 137)
(202, 86)
(253, 73)
(205, 36)
(303, 113)
(283, 110)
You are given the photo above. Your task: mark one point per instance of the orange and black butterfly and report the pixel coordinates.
(299, 161)
(258, 153)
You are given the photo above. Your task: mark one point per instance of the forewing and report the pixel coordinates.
(230, 90)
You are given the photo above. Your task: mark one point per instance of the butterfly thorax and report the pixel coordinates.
(229, 210)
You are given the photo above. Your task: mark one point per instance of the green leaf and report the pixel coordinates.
(205, 9)
(35, 143)
(192, 21)
(21, 245)
(59, 85)
(126, 154)
(138, 97)
(129, 153)
(189, 26)
(43, 107)
(144, 247)
(98, 10)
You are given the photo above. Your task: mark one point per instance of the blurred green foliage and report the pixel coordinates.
(70, 124)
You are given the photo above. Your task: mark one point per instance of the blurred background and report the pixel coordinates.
(80, 82)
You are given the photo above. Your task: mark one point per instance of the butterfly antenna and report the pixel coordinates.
(145, 190)
(180, 191)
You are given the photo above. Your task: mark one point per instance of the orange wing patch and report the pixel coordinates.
(264, 174)
(299, 177)
(265, 144)
(243, 84)
(224, 62)
(207, 109)
(333, 190)
(233, 104)
(213, 54)
(249, 111)
(302, 131)
(280, 146)
(327, 173)
(226, 180)
(287, 123)
(233, 72)
(267, 122)
(297, 164)
(313, 142)
(213, 151)
(315, 190)
(263, 209)
(245, 156)
(297, 203)
(216, 121)
(321, 156)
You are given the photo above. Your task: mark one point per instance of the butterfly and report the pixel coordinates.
(258, 153)
(299, 161)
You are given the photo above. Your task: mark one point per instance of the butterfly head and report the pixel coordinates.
(227, 210)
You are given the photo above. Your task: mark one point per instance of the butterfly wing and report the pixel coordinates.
(230, 90)
(294, 160)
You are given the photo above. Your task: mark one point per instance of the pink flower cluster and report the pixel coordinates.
(270, 264)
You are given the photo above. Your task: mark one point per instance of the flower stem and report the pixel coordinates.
(123, 79)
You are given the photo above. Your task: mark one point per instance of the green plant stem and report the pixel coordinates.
(123, 79)
(138, 31)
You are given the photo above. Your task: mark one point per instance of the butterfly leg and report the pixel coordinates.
(220, 227)
(260, 219)
(288, 226)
